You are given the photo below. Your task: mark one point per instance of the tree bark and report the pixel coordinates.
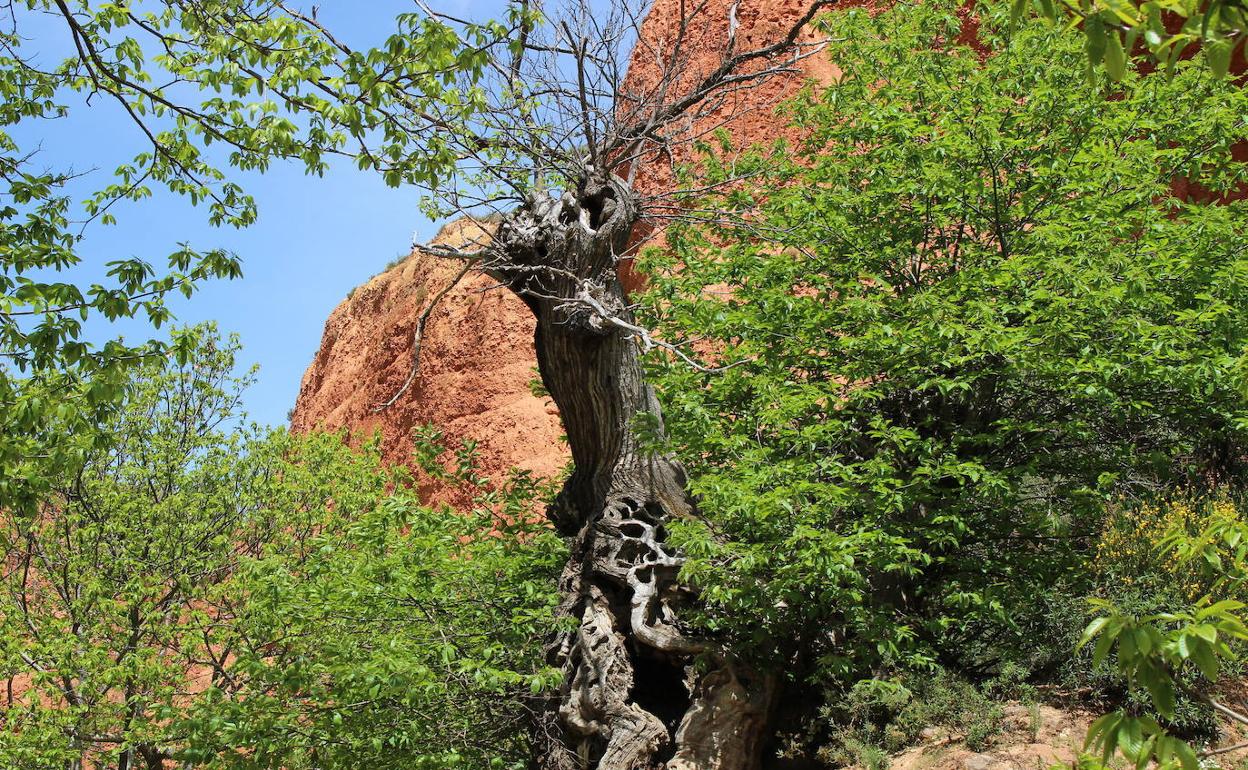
(631, 697)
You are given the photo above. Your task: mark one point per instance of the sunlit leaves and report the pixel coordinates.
(427, 623)
(233, 597)
(208, 87)
(1152, 652)
(106, 578)
(971, 308)
(1165, 31)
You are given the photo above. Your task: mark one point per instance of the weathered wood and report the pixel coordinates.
(630, 698)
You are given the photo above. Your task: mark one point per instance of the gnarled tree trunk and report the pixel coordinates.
(630, 698)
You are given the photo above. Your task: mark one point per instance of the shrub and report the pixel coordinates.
(949, 348)
(1127, 556)
(382, 632)
(220, 595)
(876, 718)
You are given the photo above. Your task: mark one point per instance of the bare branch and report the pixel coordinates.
(647, 341)
(418, 336)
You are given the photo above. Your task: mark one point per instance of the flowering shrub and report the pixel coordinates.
(1205, 544)
(1128, 552)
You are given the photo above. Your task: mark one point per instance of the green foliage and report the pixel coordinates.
(1057, 660)
(233, 597)
(209, 86)
(970, 309)
(1127, 554)
(1114, 29)
(104, 596)
(388, 634)
(1122, 566)
(889, 716)
(1156, 652)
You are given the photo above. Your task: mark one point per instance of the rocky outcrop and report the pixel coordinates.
(476, 367)
(748, 115)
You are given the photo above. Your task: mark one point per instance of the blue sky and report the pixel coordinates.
(316, 238)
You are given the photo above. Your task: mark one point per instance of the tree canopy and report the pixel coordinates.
(1118, 33)
(213, 593)
(982, 300)
(211, 87)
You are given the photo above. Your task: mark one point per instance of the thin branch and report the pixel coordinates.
(644, 337)
(1223, 750)
(419, 334)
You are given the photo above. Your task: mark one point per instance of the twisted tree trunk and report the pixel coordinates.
(630, 698)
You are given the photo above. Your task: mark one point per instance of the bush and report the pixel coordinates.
(1175, 654)
(106, 595)
(380, 632)
(951, 349)
(1127, 558)
(220, 595)
(1127, 568)
(876, 718)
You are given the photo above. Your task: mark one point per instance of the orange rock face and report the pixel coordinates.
(476, 366)
(477, 358)
(748, 113)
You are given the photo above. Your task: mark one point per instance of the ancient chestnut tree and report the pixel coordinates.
(555, 162)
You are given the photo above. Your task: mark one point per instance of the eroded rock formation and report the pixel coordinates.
(476, 369)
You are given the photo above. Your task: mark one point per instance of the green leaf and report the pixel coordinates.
(1202, 655)
(1218, 54)
(1096, 39)
(1219, 608)
(1160, 690)
(1091, 630)
(1100, 726)
(1115, 57)
(1130, 738)
(1105, 644)
(1186, 755)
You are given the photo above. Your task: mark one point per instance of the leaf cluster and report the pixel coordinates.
(208, 86)
(225, 596)
(1118, 32)
(1154, 652)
